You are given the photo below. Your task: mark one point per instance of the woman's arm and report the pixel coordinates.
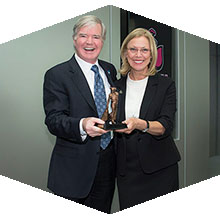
(155, 127)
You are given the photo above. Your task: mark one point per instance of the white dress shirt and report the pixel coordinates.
(134, 95)
(89, 75)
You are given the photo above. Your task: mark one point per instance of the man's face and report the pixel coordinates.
(88, 43)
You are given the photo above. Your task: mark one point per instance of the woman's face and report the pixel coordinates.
(138, 54)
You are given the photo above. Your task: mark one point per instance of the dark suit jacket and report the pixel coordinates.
(159, 104)
(67, 99)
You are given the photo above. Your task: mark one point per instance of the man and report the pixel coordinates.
(82, 169)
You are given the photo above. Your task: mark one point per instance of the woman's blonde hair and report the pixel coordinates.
(139, 32)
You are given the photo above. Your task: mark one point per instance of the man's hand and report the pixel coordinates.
(89, 127)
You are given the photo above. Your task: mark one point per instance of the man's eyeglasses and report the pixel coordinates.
(134, 50)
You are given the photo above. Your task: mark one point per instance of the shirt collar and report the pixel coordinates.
(85, 66)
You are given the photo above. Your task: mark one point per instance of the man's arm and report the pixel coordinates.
(57, 109)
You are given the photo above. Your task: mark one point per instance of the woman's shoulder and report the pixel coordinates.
(164, 78)
(120, 83)
(121, 80)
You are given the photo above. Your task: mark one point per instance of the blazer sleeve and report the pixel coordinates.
(57, 109)
(168, 109)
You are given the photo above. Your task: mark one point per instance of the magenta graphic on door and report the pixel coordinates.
(160, 51)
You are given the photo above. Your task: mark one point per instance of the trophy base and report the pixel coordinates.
(117, 126)
(112, 126)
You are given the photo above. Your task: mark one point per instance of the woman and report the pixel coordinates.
(146, 153)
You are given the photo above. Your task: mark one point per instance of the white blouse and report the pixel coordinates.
(134, 96)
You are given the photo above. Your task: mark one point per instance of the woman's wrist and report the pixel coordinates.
(147, 126)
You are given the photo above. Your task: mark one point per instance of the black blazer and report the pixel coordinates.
(159, 104)
(67, 98)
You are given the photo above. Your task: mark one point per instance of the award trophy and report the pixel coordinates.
(110, 117)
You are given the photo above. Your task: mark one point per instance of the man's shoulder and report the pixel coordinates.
(105, 63)
(59, 72)
(59, 66)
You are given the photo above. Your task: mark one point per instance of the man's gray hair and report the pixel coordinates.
(88, 20)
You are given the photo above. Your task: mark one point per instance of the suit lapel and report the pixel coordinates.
(148, 95)
(121, 100)
(107, 72)
(147, 99)
(81, 83)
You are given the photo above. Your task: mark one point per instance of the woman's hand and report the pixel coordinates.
(133, 123)
(155, 127)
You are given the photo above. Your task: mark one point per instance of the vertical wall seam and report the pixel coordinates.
(110, 33)
(185, 109)
(178, 83)
(217, 102)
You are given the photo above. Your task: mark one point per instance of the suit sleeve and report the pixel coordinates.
(57, 109)
(168, 109)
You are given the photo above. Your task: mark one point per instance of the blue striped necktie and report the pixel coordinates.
(100, 101)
